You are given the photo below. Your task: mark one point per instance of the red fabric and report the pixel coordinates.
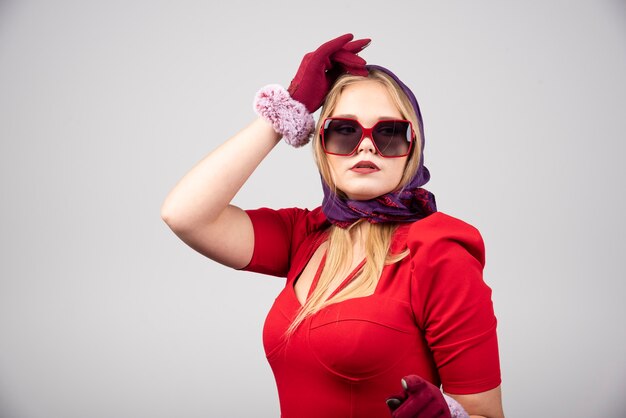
(319, 69)
(430, 315)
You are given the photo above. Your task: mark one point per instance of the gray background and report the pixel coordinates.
(105, 105)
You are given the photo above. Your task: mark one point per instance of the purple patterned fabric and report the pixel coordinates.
(407, 205)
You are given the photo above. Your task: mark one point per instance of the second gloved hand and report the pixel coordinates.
(420, 399)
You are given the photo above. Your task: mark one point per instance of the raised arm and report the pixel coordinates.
(198, 209)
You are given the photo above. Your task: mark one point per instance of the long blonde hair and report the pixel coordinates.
(378, 241)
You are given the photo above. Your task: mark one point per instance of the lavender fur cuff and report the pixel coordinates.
(456, 410)
(288, 117)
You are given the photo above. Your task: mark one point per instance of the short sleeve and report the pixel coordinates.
(277, 236)
(452, 304)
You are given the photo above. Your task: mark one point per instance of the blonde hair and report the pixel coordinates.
(340, 243)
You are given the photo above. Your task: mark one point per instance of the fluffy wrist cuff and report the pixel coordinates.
(456, 410)
(288, 117)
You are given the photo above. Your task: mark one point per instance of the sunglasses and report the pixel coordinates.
(392, 138)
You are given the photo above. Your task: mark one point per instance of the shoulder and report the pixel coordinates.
(314, 220)
(439, 225)
(294, 221)
(306, 221)
(278, 236)
(443, 234)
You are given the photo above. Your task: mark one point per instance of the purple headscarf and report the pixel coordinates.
(407, 205)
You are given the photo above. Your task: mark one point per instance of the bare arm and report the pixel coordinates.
(198, 209)
(485, 404)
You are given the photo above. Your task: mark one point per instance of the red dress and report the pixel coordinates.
(431, 314)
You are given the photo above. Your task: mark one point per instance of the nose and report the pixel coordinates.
(366, 145)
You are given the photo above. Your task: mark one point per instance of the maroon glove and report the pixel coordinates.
(319, 69)
(420, 399)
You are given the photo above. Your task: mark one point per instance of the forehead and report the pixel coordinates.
(368, 100)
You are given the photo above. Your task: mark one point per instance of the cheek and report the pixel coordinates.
(398, 171)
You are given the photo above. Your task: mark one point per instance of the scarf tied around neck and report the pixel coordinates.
(407, 205)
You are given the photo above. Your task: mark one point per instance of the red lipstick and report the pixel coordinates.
(365, 167)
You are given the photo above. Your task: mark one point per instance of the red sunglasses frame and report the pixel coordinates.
(366, 132)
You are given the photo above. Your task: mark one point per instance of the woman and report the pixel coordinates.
(380, 285)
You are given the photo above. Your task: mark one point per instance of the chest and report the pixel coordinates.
(308, 281)
(356, 338)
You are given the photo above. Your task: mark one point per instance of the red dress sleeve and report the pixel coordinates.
(452, 303)
(277, 236)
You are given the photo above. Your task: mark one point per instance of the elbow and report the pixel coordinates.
(166, 215)
(181, 220)
(172, 217)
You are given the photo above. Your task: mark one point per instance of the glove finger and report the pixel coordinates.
(399, 396)
(413, 383)
(347, 58)
(358, 45)
(393, 403)
(410, 409)
(425, 397)
(333, 45)
(353, 68)
(350, 63)
(360, 71)
(419, 398)
(333, 74)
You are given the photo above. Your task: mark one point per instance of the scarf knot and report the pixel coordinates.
(407, 205)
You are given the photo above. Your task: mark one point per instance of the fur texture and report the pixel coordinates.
(456, 410)
(288, 117)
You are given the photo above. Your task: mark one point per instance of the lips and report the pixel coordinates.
(365, 167)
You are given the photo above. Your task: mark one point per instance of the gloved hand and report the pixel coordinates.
(319, 69)
(420, 399)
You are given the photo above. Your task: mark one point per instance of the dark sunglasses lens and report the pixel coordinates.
(393, 137)
(341, 136)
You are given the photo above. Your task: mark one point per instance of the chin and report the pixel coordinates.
(366, 188)
(365, 195)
